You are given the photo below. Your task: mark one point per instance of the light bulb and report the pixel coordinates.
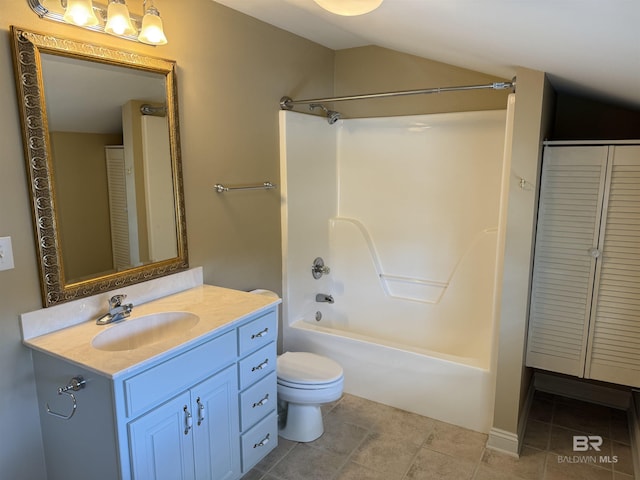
(152, 32)
(118, 20)
(80, 12)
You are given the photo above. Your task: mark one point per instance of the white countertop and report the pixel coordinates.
(216, 307)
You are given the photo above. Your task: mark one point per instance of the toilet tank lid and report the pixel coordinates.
(307, 368)
(266, 293)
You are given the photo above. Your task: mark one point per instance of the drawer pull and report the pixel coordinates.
(260, 334)
(261, 366)
(200, 411)
(261, 402)
(188, 420)
(263, 442)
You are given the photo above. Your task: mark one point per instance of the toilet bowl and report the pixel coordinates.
(306, 381)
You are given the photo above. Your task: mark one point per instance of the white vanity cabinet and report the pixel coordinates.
(585, 313)
(200, 425)
(202, 411)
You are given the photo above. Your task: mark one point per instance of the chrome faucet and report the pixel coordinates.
(319, 268)
(117, 311)
(323, 297)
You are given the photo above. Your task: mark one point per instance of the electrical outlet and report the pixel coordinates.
(6, 254)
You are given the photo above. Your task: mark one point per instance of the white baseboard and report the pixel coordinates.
(509, 442)
(503, 441)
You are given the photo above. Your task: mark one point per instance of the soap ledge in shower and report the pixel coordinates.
(414, 289)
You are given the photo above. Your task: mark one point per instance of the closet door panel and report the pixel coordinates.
(573, 181)
(614, 346)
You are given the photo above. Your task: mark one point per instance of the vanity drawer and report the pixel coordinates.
(257, 333)
(257, 365)
(259, 441)
(257, 401)
(153, 386)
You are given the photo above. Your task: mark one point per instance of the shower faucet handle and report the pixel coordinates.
(319, 268)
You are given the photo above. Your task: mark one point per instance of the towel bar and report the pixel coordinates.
(265, 185)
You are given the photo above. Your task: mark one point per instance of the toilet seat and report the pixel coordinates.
(307, 370)
(310, 386)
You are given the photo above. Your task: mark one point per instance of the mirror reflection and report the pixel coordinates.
(111, 161)
(100, 130)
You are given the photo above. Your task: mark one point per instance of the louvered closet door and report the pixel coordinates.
(571, 195)
(118, 216)
(614, 347)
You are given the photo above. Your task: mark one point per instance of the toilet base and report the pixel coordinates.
(303, 423)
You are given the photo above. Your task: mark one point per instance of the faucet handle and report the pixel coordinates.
(116, 300)
(319, 268)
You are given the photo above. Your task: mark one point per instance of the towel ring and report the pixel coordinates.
(75, 384)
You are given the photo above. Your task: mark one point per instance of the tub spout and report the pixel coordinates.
(323, 297)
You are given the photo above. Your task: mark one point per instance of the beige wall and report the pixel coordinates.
(230, 92)
(532, 122)
(375, 69)
(80, 172)
(232, 71)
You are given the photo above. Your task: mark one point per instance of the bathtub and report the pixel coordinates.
(413, 346)
(406, 212)
(452, 389)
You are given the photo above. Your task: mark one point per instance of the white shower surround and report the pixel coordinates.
(406, 213)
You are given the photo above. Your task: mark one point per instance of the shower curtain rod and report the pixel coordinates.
(287, 103)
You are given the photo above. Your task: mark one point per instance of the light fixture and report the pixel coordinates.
(118, 19)
(152, 32)
(113, 18)
(80, 12)
(349, 8)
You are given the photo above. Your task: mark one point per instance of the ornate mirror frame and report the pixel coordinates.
(27, 48)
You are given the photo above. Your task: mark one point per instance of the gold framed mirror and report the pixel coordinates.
(102, 147)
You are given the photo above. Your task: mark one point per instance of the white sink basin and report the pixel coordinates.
(138, 332)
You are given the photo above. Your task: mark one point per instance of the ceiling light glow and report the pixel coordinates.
(349, 8)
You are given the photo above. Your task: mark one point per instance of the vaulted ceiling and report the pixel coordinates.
(589, 47)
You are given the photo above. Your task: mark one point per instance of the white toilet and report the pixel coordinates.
(305, 381)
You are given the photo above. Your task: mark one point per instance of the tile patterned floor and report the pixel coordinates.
(364, 440)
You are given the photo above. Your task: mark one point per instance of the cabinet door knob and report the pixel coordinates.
(594, 252)
(188, 420)
(200, 411)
